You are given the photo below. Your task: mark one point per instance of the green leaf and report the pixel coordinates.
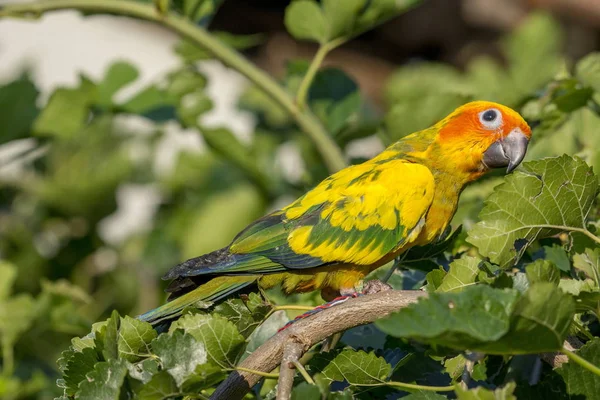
(161, 386)
(106, 338)
(357, 367)
(341, 16)
(144, 370)
(579, 380)
(220, 337)
(419, 96)
(192, 106)
(542, 271)
(134, 339)
(305, 20)
(104, 382)
(67, 111)
(463, 272)
(238, 312)
(77, 367)
(305, 391)
(224, 214)
(588, 301)
(589, 263)
(179, 354)
(224, 143)
(204, 376)
(17, 314)
(8, 274)
(17, 108)
(558, 256)
(539, 200)
(481, 393)
(465, 320)
(379, 11)
(539, 323)
(533, 51)
(434, 279)
(587, 70)
(117, 76)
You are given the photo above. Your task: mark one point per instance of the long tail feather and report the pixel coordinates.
(213, 290)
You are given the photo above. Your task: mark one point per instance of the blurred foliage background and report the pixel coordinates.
(69, 159)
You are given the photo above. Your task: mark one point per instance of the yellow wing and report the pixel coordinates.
(361, 213)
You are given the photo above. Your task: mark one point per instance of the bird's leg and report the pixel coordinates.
(370, 287)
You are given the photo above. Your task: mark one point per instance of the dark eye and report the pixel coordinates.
(489, 115)
(491, 118)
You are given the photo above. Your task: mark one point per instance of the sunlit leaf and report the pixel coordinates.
(219, 336)
(104, 382)
(540, 199)
(357, 367)
(179, 354)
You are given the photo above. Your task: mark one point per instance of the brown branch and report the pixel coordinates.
(309, 331)
(293, 349)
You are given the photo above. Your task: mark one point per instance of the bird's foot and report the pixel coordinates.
(375, 286)
(370, 287)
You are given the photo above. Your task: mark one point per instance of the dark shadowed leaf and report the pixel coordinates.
(477, 315)
(17, 108)
(579, 380)
(539, 322)
(78, 366)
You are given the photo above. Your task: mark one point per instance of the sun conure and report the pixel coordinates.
(360, 217)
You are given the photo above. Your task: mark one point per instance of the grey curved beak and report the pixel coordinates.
(507, 152)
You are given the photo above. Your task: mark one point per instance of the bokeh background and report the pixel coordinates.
(124, 151)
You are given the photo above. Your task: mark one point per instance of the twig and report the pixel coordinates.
(305, 119)
(304, 372)
(312, 330)
(292, 351)
(316, 62)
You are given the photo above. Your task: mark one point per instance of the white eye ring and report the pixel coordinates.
(491, 118)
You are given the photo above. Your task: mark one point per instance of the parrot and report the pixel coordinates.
(358, 218)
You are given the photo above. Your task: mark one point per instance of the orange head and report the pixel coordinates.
(481, 135)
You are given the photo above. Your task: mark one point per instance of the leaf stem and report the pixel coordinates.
(412, 386)
(305, 119)
(324, 49)
(8, 359)
(581, 361)
(573, 229)
(303, 372)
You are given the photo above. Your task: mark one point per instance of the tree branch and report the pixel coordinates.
(309, 331)
(305, 119)
(292, 351)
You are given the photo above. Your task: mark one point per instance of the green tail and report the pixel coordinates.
(211, 291)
